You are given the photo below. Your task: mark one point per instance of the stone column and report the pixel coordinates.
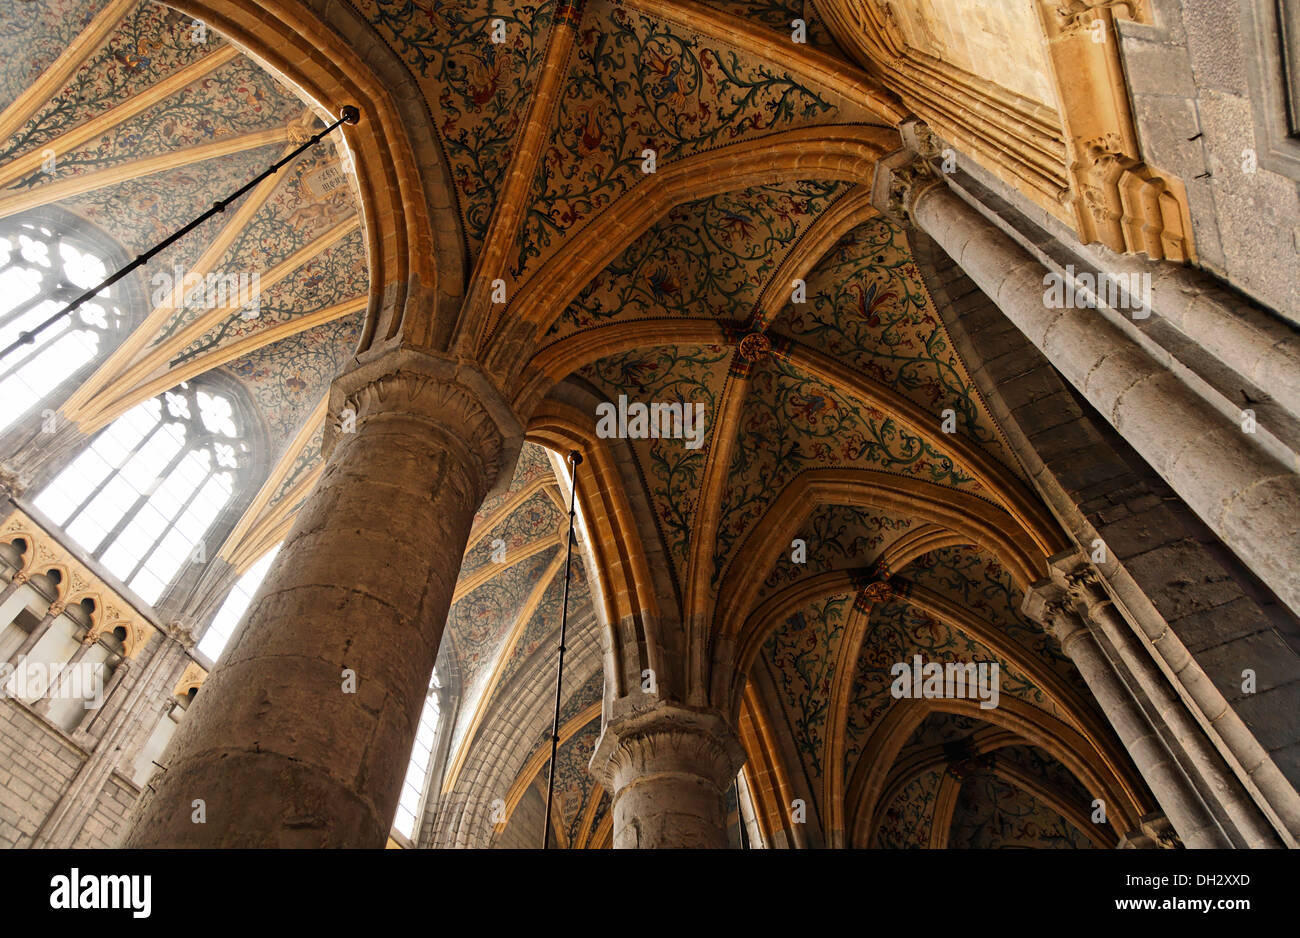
(1245, 495)
(1095, 607)
(302, 732)
(668, 771)
(82, 729)
(53, 692)
(37, 633)
(127, 726)
(13, 586)
(1047, 603)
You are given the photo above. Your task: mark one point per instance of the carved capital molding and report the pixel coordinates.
(1080, 14)
(668, 740)
(902, 177)
(10, 485)
(1154, 832)
(454, 397)
(182, 632)
(1049, 603)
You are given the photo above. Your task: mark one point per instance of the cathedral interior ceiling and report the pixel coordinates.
(852, 398)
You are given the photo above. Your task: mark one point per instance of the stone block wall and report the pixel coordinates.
(1197, 83)
(37, 764)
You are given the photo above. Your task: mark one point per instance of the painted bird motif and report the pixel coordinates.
(484, 80)
(663, 84)
(871, 300)
(591, 136)
(140, 57)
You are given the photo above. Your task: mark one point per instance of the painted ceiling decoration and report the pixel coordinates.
(839, 414)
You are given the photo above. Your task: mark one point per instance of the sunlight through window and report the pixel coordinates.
(40, 273)
(142, 496)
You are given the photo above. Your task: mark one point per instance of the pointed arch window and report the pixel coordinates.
(416, 784)
(42, 269)
(227, 619)
(142, 496)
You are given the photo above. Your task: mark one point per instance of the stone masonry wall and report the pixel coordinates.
(37, 763)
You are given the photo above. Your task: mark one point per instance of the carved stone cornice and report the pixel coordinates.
(667, 740)
(453, 396)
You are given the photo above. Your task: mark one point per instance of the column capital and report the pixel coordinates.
(10, 485)
(1154, 832)
(181, 631)
(667, 740)
(455, 395)
(902, 176)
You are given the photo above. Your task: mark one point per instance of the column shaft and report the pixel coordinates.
(669, 770)
(1246, 496)
(37, 633)
(1171, 787)
(302, 732)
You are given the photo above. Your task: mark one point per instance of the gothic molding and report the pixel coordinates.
(78, 583)
(901, 178)
(454, 397)
(1116, 198)
(667, 740)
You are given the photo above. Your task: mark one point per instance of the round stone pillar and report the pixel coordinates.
(301, 735)
(668, 771)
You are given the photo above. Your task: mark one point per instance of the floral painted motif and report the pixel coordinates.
(792, 422)
(634, 85)
(149, 44)
(479, 88)
(992, 813)
(801, 652)
(906, 823)
(939, 728)
(898, 631)
(138, 213)
(34, 35)
(288, 378)
(238, 98)
(337, 275)
(291, 219)
(779, 15)
(711, 257)
(1037, 764)
(573, 782)
(538, 518)
(977, 581)
(868, 307)
(480, 622)
(308, 458)
(836, 537)
(673, 473)
(533, 464)
(538, 642)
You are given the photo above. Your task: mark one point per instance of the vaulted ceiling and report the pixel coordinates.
(843, 418)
